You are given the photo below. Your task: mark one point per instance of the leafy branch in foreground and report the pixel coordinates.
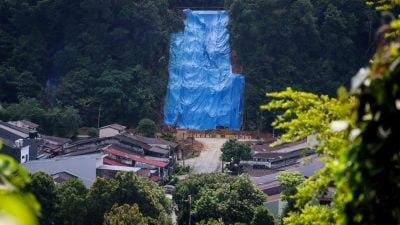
(17, 206)
(304, 114)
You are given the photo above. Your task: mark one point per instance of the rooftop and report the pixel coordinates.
(115, 126)
(267, 148)
(62, 177)
(151, 141)
(134, 157)
(26, 123)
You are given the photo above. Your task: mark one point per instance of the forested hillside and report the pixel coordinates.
(87, 54)
(310, 45)
(112, 56)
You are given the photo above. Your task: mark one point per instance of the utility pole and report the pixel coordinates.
(190, 209)
(98, 121)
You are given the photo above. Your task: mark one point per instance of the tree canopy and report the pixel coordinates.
(146, 127)
(137, 198)
(357, 137)
(88, 55)
(210, 197)
(233, 151)
(112, 56)
(309, 45)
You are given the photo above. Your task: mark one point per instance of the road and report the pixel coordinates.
(209, 160)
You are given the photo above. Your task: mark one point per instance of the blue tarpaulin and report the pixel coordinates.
(203, 93)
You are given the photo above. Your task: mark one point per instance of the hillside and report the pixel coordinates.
(112, 56)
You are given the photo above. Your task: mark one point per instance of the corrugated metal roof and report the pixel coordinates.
(135, 157)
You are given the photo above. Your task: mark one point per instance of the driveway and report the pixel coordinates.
(209, 160)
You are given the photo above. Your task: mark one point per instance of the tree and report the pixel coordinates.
(304, 114)
(128, 188)
(297, 44)
(101, 197)
(146, 127)
(45, 191)
(210, 222)
(217, 197)
(168, 137)
(93, 132)
(289, 182)
(358, 141)
(233, 151)
(262, 217)
(124, 215)
(72, 208)
(63, 121)
(369, 167)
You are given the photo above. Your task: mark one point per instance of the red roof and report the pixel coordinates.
(112, 162)
(135, 157)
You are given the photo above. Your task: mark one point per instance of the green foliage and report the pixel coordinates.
(309, 45)
(233, 151)
(290, 181)
(72, 206)
(93, 132)
(312, 215)
(67, 54)
(368, 178)
(54, 121)
(129, 189)
(168, 137)
(361, 150)
(262, 217)
(146, 127)
(18, 206)
(182, 170)
(210, 222)
(45, 191)
(304, 114)
(124, 215)
(217, 196)
(105, 202)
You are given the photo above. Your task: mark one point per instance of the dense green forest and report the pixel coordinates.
(112, 56)
(91, 55)
(309, 45)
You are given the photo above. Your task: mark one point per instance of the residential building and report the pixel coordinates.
(111, 130)
(18, 142)
(24, 124)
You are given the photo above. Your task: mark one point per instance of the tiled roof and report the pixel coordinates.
(151, 141)
(115, 126)
(29, 124)
(267, 148)
(133, 157)
(112, 162)
(59, 140)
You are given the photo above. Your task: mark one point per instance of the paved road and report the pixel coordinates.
(209, 160)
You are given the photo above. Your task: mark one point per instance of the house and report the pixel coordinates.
(24, 124)
(111, 130)
(53, 144)
(265, 156)
(153, 156)
(118, 156)
(272, 187)
(19, 150)
(18, 142)
(63, 177)
(83, 167)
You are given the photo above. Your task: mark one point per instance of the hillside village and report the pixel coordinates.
(116, 150)
(201, 112)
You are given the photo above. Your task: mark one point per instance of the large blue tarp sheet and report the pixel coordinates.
(203, 93)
